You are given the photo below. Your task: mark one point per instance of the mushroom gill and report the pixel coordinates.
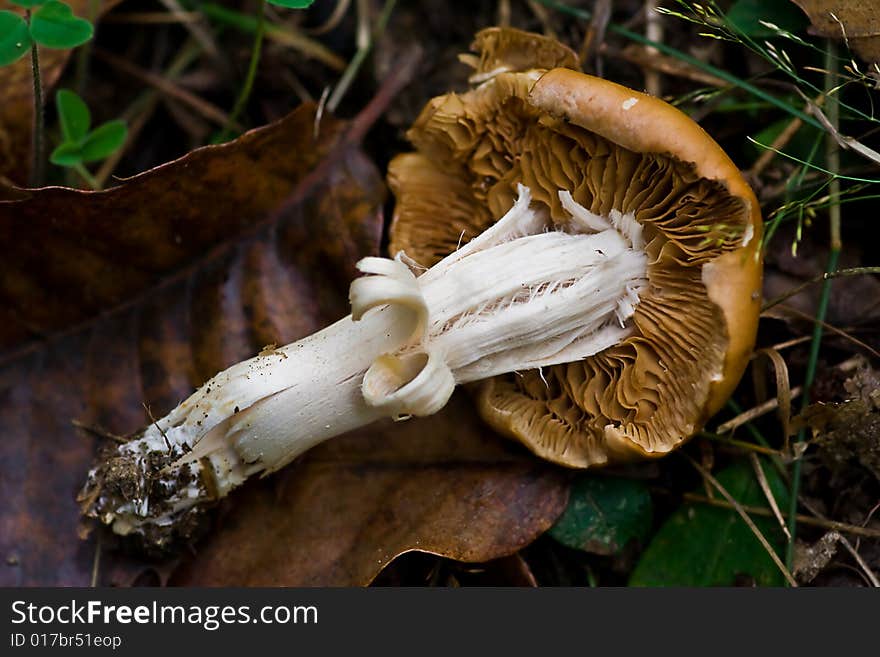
(615, 151)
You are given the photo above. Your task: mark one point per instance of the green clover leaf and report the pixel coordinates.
(54, 25)
(103, 141)
(292, 4)
(73, 114)
(27, 4)
(15, 40)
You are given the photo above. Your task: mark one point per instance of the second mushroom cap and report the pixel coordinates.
(533, 120)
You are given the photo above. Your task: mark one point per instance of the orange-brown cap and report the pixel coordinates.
(614, 149)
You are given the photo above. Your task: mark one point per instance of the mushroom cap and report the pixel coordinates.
(614, 149)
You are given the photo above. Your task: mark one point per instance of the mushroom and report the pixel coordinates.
(582, 254)
(589, 149)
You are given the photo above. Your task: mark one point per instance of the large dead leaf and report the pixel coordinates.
(441, 484)
(857, 21)
(134, 296)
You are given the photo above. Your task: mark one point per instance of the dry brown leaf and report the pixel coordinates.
(856, 21)
(442, 484)
(134, 296)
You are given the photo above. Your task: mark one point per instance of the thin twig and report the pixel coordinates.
(654, 32)
(503, 13)
(665, 64)
(335, 18)
(202, 36)
(832, 329)
(359, 57)
(768, 494)
(854, 530)
(281, 35)
(542, 15)
(140, 111)
(741, 444)
(153, 18)
(746, 519)
(820, 278)
(754, 412)
(203, 107)
(100, 433)
(864, 566)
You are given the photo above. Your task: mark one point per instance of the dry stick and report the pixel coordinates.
(733, 442)
(768, 494)
(778, 144)
(335, 18)
(202, 36)
(852, 271)
(594, 37)
(100, 433)
(153, 17)
(203, 107)
(504, 13)
(654, 32)
(354, 65)
(832, 329)
(854, 530)
(665, 64)
(864, 566)
(746, 519)
(142, 109)
(755, 412)
(281, 35)
(543, 16)
(785, 344)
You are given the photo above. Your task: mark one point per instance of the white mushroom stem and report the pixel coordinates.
(519, 296)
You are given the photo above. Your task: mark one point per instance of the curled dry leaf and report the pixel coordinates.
(856, 21)
(131, 297)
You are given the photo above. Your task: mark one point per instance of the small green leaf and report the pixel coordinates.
(701, 545)
(27, 4)
(604, 514)
(73, 114)
(103, 141)
(292, 4)
(53, 25)
(66, 155)
(15, 40)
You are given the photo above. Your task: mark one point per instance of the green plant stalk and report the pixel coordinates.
(833, 160)
(84, 173)
(38, 168)
(359, 57)
(254, 64)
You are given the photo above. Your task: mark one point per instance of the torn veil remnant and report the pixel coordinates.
(584, 254)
